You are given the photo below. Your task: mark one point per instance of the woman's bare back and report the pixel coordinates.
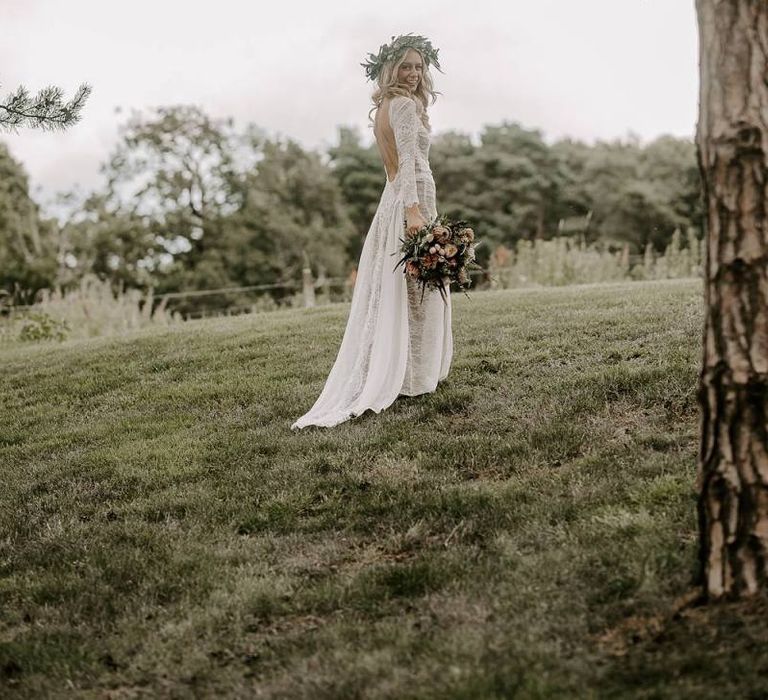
(385, 139)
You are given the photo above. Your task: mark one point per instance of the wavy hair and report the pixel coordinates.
(387, 86)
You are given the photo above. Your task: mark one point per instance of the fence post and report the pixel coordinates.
(308, 286)
(326, 288)
(323, 285)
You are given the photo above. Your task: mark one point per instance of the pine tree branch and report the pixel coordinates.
(46, 110)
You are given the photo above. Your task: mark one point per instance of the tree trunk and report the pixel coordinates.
(732, 148)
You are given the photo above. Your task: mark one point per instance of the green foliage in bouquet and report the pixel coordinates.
(439, 253)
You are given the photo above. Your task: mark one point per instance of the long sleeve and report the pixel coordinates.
(404, 122)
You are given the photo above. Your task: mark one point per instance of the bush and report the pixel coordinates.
(42, 326)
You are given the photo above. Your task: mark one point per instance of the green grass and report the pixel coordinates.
(164, 534)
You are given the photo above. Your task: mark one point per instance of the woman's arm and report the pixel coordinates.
(405, 126)
(404, 123)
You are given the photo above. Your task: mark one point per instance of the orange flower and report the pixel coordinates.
(441, 234)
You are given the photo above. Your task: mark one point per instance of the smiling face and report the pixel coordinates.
(411, 70)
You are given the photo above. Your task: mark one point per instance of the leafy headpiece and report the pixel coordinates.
(375, 62)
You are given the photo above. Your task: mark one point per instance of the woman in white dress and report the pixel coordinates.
(394, 343)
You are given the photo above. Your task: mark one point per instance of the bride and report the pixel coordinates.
(394, 343)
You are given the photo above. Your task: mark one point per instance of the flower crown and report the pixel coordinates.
(374, 63)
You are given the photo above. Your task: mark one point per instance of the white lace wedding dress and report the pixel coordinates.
(393, 343)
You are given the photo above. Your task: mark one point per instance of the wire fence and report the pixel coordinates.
(307, 293)
(546, 263)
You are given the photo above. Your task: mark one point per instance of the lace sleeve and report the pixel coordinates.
(405, 125)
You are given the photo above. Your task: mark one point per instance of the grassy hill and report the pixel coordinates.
(522, 532)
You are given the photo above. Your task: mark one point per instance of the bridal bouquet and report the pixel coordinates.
(440, 253)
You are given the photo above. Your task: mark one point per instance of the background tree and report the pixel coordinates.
(452, 157)
(577, 201)
(670, 162)
(732, 139)
(292, 206)
(28, 246)
(114, 244)
(632, 191)
(176, 170)
(508, 186)
(46, 110)
(361, 177)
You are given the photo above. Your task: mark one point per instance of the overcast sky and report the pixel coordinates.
(583, 68)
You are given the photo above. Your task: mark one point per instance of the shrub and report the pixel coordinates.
(42, 326)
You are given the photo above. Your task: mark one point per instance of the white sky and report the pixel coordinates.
(585, 68)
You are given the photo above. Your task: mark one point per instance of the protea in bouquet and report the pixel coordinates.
(440, 253)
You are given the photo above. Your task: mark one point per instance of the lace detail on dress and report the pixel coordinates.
(405, 124)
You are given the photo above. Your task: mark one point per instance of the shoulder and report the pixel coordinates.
(401, 99)
(402, 106)
(402, 102)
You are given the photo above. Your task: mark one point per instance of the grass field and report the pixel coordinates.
(521, 532)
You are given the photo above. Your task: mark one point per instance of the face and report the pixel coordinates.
(411, 69)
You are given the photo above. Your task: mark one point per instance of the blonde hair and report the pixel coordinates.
(387, 86)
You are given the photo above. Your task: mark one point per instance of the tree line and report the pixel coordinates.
(190, 202)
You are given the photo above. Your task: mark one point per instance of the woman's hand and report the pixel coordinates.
(414, 220)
